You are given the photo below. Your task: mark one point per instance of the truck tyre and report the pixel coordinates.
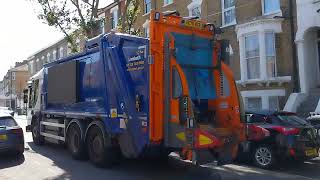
(35, 129)
(75, 142)
(100, 150)
(264, 157)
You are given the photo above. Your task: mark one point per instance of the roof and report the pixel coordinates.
(268, 112)
(3, 114)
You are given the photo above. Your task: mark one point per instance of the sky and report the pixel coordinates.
(22, 33)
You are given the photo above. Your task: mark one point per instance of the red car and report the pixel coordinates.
(275, 135)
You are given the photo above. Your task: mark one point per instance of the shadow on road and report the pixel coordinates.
(127, 169)
(310, 169)
(9, 160)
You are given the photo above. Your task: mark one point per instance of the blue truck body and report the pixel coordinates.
(112, 71)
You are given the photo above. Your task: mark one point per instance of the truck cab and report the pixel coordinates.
(32, 97)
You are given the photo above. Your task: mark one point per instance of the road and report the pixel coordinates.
(52, 162)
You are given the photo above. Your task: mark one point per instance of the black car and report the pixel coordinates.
(11, 135)
(314, 120)
(278, 135)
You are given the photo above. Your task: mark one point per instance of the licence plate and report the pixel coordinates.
(3, 137)
(311, 152)
(193, 24)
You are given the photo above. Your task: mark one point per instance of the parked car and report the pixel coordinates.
(278, 135)
(6, 110)
(314, 120)
(11, 135)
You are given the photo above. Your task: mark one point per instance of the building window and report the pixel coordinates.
(61, 52)
(114, 14)
(146, 27)
(13, 75)
(195, 8)
(270, 55)
(54, 55)
(147, 32)
(48, 57)
(273, 103)
(252, 56)
(101, 25)
(147, 6)
(228, 12)
(271, 6)
(166, 2)
(253, 103)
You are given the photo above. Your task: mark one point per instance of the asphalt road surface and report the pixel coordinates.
(52, 162)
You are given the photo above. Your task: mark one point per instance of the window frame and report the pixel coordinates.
(245, 54)
(275, 53)
(223, 10)
(166, 3)
(253, 97)
(271, 12)
(13, 75)
(145, 6)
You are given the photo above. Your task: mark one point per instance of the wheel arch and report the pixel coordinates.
(80, 125)
(100, 125)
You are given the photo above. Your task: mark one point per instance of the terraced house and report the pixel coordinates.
(261, 34)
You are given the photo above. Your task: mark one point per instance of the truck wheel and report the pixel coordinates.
(35, 129)
(101, 152)
(74, 142)
(264, 157)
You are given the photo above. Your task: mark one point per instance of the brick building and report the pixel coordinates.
(14, 82)
(50, 53)
(260, 41)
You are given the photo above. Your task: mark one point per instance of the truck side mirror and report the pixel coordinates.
(25, 96)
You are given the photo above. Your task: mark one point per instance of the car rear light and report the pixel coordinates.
(17, 131)
(286, 130)
(292, 152)
(257, 133)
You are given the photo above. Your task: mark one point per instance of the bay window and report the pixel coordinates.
(252, 56)
(228, 12)
(270, 54)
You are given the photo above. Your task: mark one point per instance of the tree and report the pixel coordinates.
(73, 18)
(129, 16)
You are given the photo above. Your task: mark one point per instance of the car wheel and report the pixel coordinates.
(35, 129)
(74, 142)
(101, 152)
(263, 157)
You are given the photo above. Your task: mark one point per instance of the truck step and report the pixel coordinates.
(52, 136)
(52, 124)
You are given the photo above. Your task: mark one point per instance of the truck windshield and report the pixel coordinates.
(195, 55)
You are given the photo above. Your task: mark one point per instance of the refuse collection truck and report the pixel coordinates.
(135, 96)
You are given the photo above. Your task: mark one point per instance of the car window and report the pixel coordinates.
(7, 121)
(257, 118)
(292, 120)
(273, 120)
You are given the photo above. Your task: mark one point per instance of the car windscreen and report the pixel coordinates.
(7, 122)
(292, 120)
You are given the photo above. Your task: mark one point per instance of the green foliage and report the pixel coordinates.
(129, 17)
(73, 17)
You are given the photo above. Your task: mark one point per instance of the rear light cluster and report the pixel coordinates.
(257, 133)
(286, 131)
(18, 131)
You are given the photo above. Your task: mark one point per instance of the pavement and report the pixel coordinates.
(53, 162)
